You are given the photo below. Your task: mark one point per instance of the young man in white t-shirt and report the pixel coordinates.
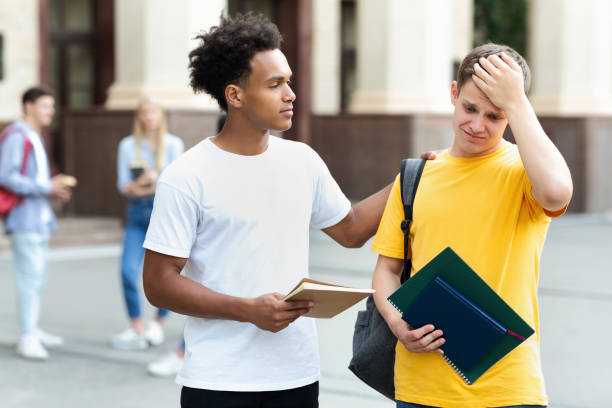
(235, 212)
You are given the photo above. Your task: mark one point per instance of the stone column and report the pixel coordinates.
(326, 57)
(404, 56)
(152, 44)
(20, 31)
(570, 55)
(463, 29)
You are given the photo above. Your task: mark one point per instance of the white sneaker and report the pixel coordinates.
(49, 340)
(129, 340)
(154, 333)
(170, 364)
(29, 347)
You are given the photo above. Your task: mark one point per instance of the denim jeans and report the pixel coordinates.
(401, 404)
(138, 216)
(30, 266)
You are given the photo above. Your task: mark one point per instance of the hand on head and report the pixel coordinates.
(500, 78)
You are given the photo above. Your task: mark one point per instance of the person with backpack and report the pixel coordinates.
(25, 175)
(491, 201)
(235, 211)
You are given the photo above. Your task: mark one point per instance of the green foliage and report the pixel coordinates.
(502, 22)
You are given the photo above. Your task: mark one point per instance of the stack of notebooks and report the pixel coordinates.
(479, 326)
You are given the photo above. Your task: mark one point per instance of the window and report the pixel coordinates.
(71, 52)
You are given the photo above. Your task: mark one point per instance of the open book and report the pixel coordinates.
(329, 299)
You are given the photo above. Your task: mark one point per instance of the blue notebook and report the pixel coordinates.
(458, 275)
(469, 331)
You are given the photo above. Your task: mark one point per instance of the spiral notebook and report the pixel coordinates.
(479, 326)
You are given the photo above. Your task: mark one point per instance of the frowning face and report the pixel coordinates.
(477, 123)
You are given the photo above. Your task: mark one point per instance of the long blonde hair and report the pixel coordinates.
(139, 132)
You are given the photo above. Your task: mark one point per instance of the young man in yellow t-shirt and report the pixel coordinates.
(491, 202)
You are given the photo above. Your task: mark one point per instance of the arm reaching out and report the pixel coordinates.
(361, 222)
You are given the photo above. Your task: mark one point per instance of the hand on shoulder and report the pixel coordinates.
(430, 154)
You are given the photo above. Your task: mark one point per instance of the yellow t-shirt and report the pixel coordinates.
(482, 207)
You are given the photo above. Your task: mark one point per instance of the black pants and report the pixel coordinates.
(303, 397)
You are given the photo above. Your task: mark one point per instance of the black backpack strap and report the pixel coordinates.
(410, 175)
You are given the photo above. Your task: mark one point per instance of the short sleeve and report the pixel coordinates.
(329, 205)
(535, 209)
(389, 239)
(174, 222)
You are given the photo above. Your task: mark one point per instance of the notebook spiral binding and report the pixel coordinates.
(457, 369)
(393, 304)
(448, 360)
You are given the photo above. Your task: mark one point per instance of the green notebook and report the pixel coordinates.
(448, 265)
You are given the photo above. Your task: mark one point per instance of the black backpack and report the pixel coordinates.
(373, 342)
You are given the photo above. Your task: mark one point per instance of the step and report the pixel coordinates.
(79, 231)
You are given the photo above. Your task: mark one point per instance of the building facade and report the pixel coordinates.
(371, 76)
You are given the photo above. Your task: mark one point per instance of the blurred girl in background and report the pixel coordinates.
(141, 157)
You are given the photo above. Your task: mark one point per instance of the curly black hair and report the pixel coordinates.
(225, 51)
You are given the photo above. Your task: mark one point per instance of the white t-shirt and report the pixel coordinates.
(243, 222)
(42, 173)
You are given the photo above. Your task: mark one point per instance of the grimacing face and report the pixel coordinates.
(478, 125)
(268, 97)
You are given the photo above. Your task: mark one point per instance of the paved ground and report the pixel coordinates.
(82, 302)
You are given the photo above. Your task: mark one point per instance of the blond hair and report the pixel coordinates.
(139, 132)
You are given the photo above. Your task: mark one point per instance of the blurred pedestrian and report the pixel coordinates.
(141, 158)
(24, 171)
